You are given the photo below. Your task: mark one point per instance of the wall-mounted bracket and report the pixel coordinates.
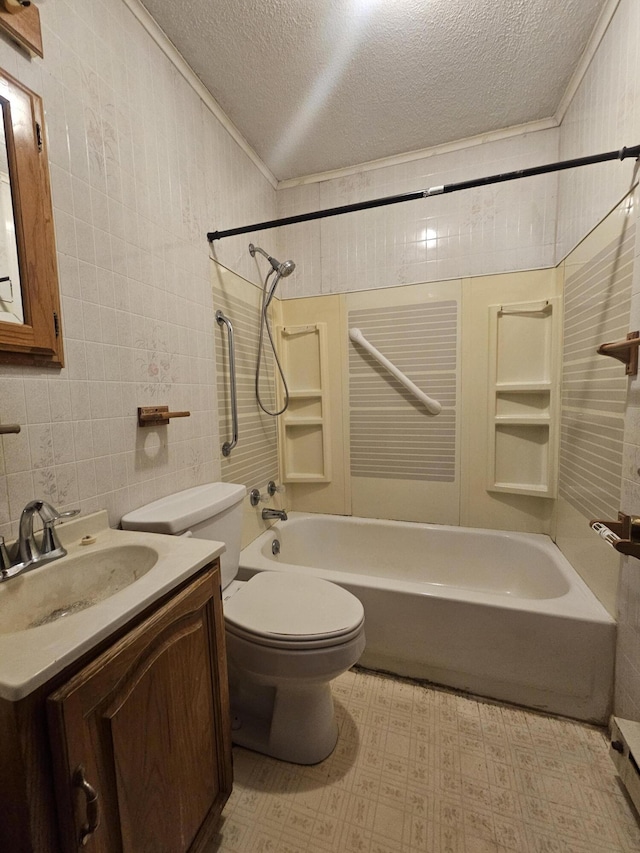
(623, 534)
(157, 415)
(625, 351)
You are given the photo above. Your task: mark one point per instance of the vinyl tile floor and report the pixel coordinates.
(419, 768)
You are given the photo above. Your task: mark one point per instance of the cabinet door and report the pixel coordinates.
(147, 724)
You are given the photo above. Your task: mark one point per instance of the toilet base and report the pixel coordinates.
(293, 723)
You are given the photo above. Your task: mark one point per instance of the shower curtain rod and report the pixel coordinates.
(620, 154)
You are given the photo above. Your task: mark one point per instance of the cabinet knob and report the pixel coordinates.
(91, 801)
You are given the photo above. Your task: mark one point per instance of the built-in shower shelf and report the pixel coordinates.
(521, 387)
(306, 477)
(523, 398)
(296, 421)
(521, 488)
(532, 419)
(303, 430)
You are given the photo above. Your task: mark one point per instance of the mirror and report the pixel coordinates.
(10, 293)
(30, 331)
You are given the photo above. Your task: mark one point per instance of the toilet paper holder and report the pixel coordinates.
(623, 534)
(157, 415)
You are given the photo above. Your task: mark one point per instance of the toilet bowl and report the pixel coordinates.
(287, 636)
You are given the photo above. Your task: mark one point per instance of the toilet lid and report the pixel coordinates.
(285, 607)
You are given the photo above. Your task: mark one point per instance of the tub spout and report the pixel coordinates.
(274, 513)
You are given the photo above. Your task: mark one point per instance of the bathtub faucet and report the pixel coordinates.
(274, 513)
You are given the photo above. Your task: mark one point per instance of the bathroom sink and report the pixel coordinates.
(54, 614)
(71, 584)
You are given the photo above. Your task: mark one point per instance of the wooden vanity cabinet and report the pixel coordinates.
(145, 725)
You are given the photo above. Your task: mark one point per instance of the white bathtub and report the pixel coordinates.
(502, 615)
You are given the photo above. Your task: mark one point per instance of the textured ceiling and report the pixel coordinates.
(315, 85)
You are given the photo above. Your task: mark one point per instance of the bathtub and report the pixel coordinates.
(502, 615)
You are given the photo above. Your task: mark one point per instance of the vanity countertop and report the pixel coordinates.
(31, 653)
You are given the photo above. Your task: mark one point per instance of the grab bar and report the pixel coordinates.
(228, 446)
(431, 405)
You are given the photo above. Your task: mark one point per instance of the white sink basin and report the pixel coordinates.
(70, 584)
(53, 615)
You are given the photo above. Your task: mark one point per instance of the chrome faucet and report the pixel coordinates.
(26, 553)
(268, 513)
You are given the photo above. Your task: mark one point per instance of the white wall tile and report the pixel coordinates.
(510, 226)
(140, 170)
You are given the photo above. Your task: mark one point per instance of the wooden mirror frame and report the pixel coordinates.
(39, 339)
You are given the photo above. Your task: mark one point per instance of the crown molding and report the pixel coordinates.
(445, 148)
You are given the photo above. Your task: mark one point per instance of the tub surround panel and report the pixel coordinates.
(597, 298)
(524, 396)
(478, 506)
(597, 563)
(408, 325)
(421, 341)
(254, 460)
(406, 500)
(333, 496)
(404, 460)
(627, 701)
(598, 290)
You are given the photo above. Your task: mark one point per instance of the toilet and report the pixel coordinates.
(287, 636)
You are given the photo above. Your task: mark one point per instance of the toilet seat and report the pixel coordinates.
(281, 610)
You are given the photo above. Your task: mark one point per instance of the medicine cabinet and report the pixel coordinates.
(30, 329)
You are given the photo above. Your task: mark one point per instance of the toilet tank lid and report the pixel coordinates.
(179, 511)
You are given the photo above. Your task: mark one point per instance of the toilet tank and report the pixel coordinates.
(211, 511)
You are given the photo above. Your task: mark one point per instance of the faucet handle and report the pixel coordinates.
(49, 515)
(256, 497)
(273, 489)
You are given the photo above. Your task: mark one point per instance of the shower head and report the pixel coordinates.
(283, 269)
(286, 268)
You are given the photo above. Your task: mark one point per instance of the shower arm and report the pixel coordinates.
(620, 154)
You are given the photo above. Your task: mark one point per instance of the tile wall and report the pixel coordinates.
(604, 115)
(141, 169)
(508, 226)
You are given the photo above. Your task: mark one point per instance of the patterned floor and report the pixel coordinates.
(422, 769)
